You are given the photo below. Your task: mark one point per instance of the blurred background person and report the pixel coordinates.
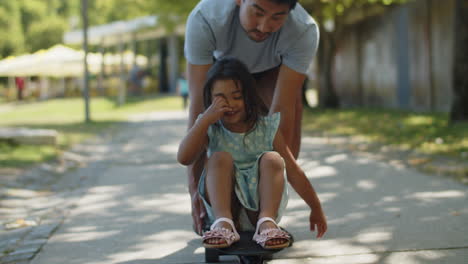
(182, 88)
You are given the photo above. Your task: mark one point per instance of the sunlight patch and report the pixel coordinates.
(156, 246)
(81, 236)
(442, 194)
(365, 185)
(374, 237)
(336, 158)
(322, 172)
(331, 247)
(169, 148)
(169, 203)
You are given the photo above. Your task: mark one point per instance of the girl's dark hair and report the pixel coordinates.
(229, 68)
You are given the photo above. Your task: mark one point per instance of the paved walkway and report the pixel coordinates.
(133, 207)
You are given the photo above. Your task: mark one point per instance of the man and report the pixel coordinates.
(276, 39)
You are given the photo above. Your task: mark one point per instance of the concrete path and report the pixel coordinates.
(136, 210)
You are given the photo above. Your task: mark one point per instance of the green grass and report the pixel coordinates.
(428, 133)
(66, 116)
(71, 110)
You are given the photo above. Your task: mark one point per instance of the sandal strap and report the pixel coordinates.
(227, 220)
(224, 219)
(269, 233)
(263, 220)
(226, 234)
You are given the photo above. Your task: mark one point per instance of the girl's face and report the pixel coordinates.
(232, 94)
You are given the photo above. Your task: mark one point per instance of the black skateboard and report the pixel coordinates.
(248, 251)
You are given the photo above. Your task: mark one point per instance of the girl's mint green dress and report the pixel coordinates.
(246, 150)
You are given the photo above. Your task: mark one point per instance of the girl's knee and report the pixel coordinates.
(272, 160)
(221, 158)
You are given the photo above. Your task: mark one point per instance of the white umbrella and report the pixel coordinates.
(61, 61)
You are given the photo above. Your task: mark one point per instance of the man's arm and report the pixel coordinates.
(287, 100)
(196, 77)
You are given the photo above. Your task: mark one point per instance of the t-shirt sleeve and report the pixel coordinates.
(300, 54)
(199, 40)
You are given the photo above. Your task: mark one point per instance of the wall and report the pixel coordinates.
(442, 44)
(346, 72)
(402, 59)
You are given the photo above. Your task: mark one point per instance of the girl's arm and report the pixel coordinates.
(300, 183)
(194, 142)
(196, 139)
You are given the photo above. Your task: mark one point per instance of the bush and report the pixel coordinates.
(46, 33)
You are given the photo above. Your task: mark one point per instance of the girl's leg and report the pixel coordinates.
(219, 188)
(271, 186)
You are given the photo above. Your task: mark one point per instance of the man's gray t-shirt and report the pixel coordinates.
(214, 30)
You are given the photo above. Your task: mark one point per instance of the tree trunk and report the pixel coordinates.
(459, 111)
(327, 94)
(163, 80)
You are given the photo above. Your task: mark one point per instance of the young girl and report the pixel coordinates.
(247, 157)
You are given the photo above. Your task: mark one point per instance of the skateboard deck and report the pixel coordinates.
(248, 251)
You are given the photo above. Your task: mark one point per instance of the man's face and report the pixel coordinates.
(260, 18)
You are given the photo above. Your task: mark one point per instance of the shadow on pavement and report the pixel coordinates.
(137, 208)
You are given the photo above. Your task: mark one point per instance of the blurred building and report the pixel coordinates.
(143, 36)
(401, 59)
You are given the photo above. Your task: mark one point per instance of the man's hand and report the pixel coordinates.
(318, 223)
(198, 213)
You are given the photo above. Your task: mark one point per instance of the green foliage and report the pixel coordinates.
(66, 116)
(31, 25)
(171, 13)
(31, 12)
(11, 33)
(46, 33)
(106, 11)
(427, 133)
(336, 10)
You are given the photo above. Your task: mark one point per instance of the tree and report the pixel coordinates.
(11, 33)
(171, 13)
(46, 33)
(106, 11)
(332, 17)
(44, 22)
(459, 111)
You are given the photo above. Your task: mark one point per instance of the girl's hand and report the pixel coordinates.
(217, 109)
(318, 223)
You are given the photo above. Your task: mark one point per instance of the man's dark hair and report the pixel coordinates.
(291, 3)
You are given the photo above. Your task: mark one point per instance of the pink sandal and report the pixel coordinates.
(229, 236)
(270, 234)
